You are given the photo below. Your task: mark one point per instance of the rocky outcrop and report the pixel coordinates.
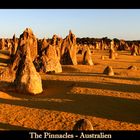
(42, 44)
(28, 36)
(14, 45)
(87, 59)
(27, 79)
(83, 124)
(134, 50)
(69, 50)
(132, 67)
(112, 51)
(57, 42)
(108, 71)
(50, 60)
(2, 44)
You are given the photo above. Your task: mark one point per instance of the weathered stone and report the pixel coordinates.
(134, 50)
(112, 51)
(97, 46)
(108, 71)
(2, 44)
(9, 73)
(58, 52)
(83, 124)
(11, 70)
(50, 60)
(69, 50)
(57, 42)
(111, 54)
(44, 44)
(87, 59)
(14, 45)
(28, 36)
(27, 79)
(132, 67)
(54, 40)
(9, 46)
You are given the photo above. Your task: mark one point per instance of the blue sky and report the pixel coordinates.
(98, 23)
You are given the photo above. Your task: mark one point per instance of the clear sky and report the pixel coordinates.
(98, 23)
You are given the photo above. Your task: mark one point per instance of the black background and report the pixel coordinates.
(69, 4)
(74, 4)
(24, 135)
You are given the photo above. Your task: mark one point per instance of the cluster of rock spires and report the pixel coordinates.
(48, 59)
(30, 55)
(105, 43)
(22, 71)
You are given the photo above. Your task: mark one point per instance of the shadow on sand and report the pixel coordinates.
(5, 52)
(7, 61)
(96, 75)
(96, 85)
(119, 109)
(6, 126)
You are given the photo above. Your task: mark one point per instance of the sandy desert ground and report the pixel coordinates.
(81, 91)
